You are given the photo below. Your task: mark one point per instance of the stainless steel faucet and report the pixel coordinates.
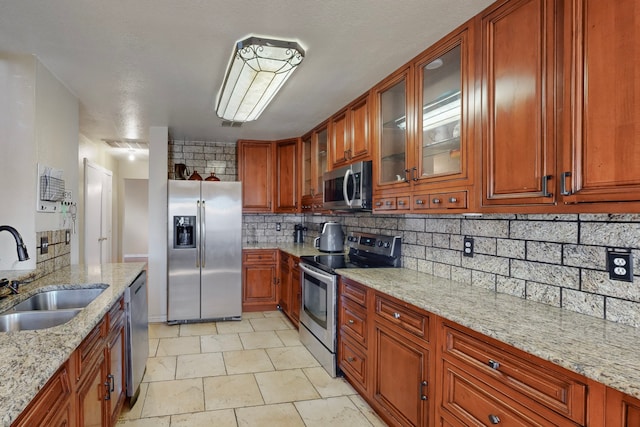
(12, 285)
(23, 255)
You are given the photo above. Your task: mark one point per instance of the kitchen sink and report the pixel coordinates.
(31, 320)
(58, 300)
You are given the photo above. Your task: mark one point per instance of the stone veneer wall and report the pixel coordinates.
(261, 228)
(58, 255)
(204, 157)
(558, 260)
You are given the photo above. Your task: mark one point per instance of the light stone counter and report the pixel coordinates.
(28, 359)
(598, 349)
(295, 249)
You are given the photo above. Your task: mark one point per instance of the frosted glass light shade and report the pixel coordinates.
(257, 71)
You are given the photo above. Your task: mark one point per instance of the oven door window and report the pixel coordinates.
(315, 300)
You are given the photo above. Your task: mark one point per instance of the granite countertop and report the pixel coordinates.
(295, 249)
(598, 349)
(30, 358)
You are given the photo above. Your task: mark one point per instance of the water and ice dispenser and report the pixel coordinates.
(184, 232)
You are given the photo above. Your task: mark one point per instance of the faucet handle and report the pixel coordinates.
(4, 282)
(14, 286)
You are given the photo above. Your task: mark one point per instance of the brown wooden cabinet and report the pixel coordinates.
(259, 277)
(255, 170)
(116, 361)
(601, 154)
(519, 53)
(423, 128)
(484, 380)
(52, 405)
(290, 291)
(621, 410)
(286, 194)
(314, 163)
(349, 130)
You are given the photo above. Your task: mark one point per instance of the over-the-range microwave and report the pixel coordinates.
(349, 187)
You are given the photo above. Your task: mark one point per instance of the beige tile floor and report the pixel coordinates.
(253, 372)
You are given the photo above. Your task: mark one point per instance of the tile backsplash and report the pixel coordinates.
(558, 260)
(58, 252)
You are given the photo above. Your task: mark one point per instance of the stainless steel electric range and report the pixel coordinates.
(319, 313)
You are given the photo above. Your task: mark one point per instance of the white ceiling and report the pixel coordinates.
(140, 63)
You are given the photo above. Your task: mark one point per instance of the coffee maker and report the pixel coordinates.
(298, 236)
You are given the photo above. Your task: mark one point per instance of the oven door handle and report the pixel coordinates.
(318, 275)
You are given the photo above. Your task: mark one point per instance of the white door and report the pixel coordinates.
(97, 214)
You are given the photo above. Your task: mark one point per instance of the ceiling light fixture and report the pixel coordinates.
(258, 69)
(132, 155)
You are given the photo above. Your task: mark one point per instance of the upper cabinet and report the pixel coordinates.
(286, 181)
(600, 164)
(349, 130)
(314, 154)
(255, 170)
(423, 129)
(518, 53)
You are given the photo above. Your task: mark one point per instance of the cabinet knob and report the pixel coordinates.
(493, 364)
(396, 315)
(388, 203)
(419, 202)
(378, 203)
(453, 200)
(401, 202)
(351, 359)
(436, 201)
(493, 419)
(350, 321)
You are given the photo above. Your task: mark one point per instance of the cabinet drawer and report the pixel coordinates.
(354, 291)
(259, 256)
(353, 361)
(116, 314)
(353, 321)
(551, 389)
(90, 349)
(476, 403)
(54, 395)
(385, 204)
(455, 200)
(407, 318)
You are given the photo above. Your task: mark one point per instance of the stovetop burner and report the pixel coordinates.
(365, 251)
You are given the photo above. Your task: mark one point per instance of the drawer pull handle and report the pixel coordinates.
(378, 203)
(419, 202)
(396, 315)
(453, 200)
(401, 202)
(350, 321)
(493, 419)
(351, 359)
(493, 364)
(436, 201)
(388, 203)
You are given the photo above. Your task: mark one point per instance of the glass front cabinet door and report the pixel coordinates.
(441, 152)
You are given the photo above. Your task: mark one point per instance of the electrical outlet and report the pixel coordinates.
(67, 237)
(468, 247)
(44, 245)
(278, 226)
(620, 265)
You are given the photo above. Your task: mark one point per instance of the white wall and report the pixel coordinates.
(56, 129)
(157, 279)
(135, 170)
(18, 159)
(135, 233)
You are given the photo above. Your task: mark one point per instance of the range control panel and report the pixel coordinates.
(375, 243)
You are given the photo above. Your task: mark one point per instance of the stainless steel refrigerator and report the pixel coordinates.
(205, 251)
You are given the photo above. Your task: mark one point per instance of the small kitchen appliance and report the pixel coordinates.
(319, 311)
(331, 238)
(298, 233)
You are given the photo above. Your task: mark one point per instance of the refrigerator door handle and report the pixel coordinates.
(203, 230)
(198, 235)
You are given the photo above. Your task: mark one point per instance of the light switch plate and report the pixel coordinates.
(44, 245)
(620, 265)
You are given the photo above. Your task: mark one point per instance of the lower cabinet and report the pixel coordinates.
(290, 291)
(259, 277)
(621, 410)
(89, 390)
(52, 406)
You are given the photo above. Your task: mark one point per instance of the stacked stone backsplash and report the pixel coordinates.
(558, 260)
(204, 157)
(262, 228)
(58, 252)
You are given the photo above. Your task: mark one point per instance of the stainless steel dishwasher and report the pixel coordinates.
(137, 311)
